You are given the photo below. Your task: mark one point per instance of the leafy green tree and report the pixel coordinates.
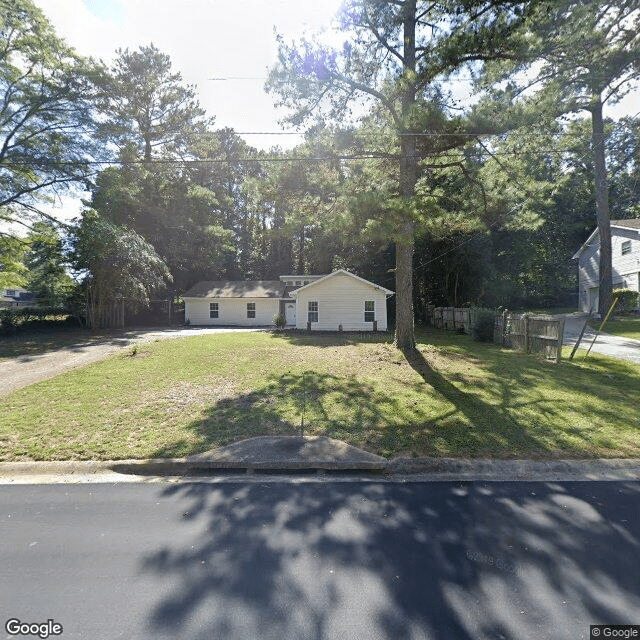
(45, 260)
(116, 264)
(146, 106)
(13, 273)
(581, 55)
(383, 71)
(45, 112)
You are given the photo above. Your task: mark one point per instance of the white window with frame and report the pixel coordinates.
(251, 309)
(626, 247)
(213, 310)
(369, 310)
(312, 311)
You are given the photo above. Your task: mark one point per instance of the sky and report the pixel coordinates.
(207, 39)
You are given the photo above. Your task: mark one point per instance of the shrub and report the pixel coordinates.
(627, 299)
(279, 320)
(14, 319)
(482, 327)
(8, 324)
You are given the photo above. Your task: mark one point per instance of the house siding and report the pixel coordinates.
(341, 301)
(231, 311)
(625, 268)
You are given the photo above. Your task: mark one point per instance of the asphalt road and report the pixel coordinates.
(343, 560)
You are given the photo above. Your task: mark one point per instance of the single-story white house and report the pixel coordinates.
(625, 262)
(339, 301)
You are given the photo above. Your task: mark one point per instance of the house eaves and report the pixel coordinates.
(627, 225)
(342, 272)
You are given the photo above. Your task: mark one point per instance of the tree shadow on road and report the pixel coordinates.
(389, 561)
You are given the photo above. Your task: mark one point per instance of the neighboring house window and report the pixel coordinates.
(369, 310)
(626, 247)
(313, 311)
(11, 293)
(251, 309)
(213, 309)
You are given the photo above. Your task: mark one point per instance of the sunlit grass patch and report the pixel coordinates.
(452, 397)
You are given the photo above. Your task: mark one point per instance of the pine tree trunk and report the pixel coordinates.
(301, 269)
(404, 336)
(602, 206)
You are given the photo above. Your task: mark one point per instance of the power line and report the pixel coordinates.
(500, 219)
(258, 159)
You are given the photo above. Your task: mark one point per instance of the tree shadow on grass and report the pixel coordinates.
(308, 403)
(344, 561)
(439, 412)
(599, 391)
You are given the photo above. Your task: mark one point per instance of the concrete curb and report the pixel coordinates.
(429, 469)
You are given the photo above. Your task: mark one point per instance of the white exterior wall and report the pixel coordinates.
(341, 301)
(625, 268)
(231, 311)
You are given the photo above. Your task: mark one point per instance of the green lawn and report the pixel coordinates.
(454, 397)
(626, 327)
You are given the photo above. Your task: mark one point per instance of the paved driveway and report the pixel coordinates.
(616, 346)
(24, 370)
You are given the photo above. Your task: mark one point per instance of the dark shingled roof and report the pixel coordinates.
(237, 289)
(631, 224)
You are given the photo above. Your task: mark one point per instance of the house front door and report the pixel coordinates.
(290, 313)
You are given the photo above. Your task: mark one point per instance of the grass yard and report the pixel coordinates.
(453, 397)
(625, 327)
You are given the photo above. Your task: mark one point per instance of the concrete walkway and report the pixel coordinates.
(615, 346)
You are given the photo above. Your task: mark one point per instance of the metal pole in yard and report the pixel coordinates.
(611, 308)
(579, 340)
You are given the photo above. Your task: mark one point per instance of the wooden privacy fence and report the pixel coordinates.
(530, 333)
(453, 318)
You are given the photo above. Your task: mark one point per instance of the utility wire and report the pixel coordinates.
(500, 219)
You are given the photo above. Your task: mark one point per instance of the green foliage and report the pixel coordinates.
(118, 264)
(279, 321)
(46, 111)
(15, 320)
(482, 328)
(13, 273)
(147, 106)
(627, 299)
(47, 276)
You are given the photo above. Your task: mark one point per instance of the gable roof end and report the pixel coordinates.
(615, 224)
(347, 273)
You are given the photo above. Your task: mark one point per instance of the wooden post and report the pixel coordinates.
(560, 338)
(375, 325)
(526, 333)
(505, 317)
(308, 326)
